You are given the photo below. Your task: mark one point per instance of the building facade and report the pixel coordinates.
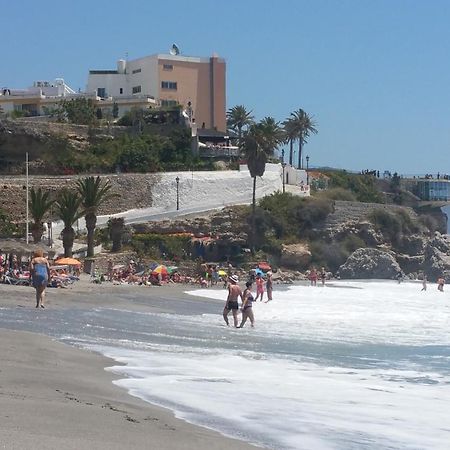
(198, 84)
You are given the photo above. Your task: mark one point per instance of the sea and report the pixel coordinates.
(348, 365)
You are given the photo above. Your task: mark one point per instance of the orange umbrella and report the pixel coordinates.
(68, 262)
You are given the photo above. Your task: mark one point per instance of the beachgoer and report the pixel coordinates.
(247, 310)
(441, 282)
(234, 292)
(424, 283)
(313, 276)
(259, 288)
(110, 269)
(323, 275)
(269, 286)
(39, 275)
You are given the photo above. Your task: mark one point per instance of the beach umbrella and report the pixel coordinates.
(263, 265)
(68, 262)
(172, 269)
(258, 271)
(153, 265)
(161, 269)
(222, 273)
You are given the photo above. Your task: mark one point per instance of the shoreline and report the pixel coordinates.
(54, 395)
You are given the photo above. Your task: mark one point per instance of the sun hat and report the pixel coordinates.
(234, 279)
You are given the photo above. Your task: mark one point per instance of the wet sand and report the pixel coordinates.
(54, 396)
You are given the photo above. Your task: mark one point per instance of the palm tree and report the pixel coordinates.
(93, 193)
(301, 126)
(272, 134)
(239, 118)
(40, 204)
(256, 148)
(68, 210)
(290, 135)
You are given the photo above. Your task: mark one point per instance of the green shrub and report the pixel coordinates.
(157, 245)
(362, 186)
(337, 193)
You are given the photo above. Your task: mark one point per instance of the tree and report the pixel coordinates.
(93, 193)
(40, 204)
(300, 126)
(238, 118)
(272, 134)
(68, 210)
(256, 148)
(81, 111)
(116, 227)
(290, 136)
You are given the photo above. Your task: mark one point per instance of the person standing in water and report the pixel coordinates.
(234, 292)
(313, 276)
(247, 310)
(441, 282)
(424, 283)
(323, 275)
(269, 286)
(259, 288)
(39, 274)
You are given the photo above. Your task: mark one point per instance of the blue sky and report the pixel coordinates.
(374, 74)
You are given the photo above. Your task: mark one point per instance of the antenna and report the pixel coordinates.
(175, 50)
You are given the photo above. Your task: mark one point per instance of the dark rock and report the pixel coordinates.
(370, 263)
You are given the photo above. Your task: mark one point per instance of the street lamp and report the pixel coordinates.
(307, 168)
(283, 165)
(177, 179)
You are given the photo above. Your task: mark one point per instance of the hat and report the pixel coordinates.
(269, 273)
(234, 279)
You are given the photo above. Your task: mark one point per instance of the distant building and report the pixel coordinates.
(43, 95)
(198, 84)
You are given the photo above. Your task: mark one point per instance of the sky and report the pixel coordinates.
(373, 74)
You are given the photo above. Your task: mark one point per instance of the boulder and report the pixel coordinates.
(370, 263)
(295, 256)
(437, 257)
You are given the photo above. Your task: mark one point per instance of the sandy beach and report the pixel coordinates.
(55, 396)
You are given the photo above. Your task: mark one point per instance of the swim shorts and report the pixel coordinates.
(232, 305)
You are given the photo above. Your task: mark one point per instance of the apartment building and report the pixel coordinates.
(198, 84)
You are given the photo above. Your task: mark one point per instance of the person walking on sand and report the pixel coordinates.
(259, 288)
(424, 283)
(247, 310)
(269, 286)
(234, 292)
(323, 275)
(441, 282)
(39, 274)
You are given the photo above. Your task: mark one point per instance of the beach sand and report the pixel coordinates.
(54, 396)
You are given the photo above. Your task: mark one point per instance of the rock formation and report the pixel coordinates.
(370, 263)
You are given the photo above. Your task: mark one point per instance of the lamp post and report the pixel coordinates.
(307, 168)
(177, 179)
(283, 165)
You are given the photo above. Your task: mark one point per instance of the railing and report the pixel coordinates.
(218, 151)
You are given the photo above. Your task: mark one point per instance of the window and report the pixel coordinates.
(169, 85)
(136, 71)
(121, 91)
(136, 89)
(167, 67)
(101, 92)
(168, 103)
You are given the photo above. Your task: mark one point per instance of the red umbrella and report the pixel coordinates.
(263, 265)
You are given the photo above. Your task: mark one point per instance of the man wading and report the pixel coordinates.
(234, 292)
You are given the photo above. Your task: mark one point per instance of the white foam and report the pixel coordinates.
(295, 401)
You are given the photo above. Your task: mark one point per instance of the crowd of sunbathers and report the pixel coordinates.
(17, 272)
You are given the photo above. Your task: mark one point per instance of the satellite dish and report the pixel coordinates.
(174, 50)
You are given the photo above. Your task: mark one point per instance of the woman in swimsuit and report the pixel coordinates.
(234, 292)
(247, 310)
(40, 274)
(259, 288)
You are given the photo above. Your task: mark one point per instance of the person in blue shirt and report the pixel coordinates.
(39, 274)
